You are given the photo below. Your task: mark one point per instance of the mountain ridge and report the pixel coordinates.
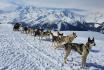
(37, 15)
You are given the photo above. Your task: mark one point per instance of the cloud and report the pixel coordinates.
(79, 4)
(6, 5)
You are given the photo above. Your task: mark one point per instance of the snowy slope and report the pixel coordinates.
(21, 52)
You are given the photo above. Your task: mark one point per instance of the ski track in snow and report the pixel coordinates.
(19, 51)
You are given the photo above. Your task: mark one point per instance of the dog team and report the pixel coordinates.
(61, 41)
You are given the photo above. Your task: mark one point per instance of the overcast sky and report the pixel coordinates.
(96, 5)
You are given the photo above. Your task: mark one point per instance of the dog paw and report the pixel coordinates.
(65, 62)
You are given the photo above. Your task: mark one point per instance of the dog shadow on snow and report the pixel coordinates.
(95, 51)
(47, 40)
(95, 66)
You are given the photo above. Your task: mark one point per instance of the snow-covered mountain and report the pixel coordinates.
(55, 17)
(101, 28)
(28, 14)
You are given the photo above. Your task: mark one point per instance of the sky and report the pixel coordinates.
(94, 5)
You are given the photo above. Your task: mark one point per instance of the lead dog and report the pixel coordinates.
(82, 49)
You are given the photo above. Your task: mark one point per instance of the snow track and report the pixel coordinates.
(20, 51)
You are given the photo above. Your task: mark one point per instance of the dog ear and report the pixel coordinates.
(73, 33)
(89, 39)
(62, 34)
(93, 39)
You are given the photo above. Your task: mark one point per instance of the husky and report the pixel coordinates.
(55, 39)
(66, 39)
(46, 34)
(38, 32)
(16, 27)
(30, 31)
(82, 49)
(60, 34)
(25, 29)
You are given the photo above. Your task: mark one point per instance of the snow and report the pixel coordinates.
(95, 17)
(19, 51)
(37, 15)
(8, 17)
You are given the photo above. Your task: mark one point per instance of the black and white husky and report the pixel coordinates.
(82, 49)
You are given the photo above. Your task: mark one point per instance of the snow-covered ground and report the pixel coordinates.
(19, 51)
